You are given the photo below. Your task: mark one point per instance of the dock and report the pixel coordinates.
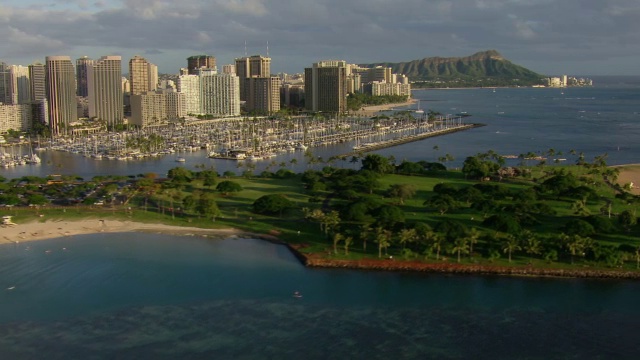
(412, 138)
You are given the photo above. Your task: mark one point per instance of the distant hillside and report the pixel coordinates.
(485, 68)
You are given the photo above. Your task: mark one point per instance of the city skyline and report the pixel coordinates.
(547, 36)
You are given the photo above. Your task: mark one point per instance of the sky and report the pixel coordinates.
(551, 37)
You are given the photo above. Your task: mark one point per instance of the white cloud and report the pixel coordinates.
(303, 31)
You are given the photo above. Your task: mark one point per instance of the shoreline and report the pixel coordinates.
(372, 109)
(38, 230)
(51, 229)
(446, 268)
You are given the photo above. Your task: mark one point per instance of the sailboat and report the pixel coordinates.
(419, 111)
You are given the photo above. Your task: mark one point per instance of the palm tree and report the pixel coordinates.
(532, 244)
(337, 237)
(347, 242)
(460, 246)
(365, 232)
(383, 238)
(511, 245)
(472, 237)
(574, 245)
(407, 236)
(436, 243)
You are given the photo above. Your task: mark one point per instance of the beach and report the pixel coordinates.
(630, 174)
(372, 110)
(49, 229)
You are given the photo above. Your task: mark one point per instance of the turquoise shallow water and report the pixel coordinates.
(132, 296)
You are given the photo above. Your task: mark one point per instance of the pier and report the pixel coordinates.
(411, 138)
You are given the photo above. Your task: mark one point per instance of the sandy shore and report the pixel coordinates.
(37, 230)
(372, 110)
(630, 174)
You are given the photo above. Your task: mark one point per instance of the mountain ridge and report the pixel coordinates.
(487, 67)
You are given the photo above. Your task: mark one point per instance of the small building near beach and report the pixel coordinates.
(6, 220)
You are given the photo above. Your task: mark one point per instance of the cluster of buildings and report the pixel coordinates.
(568, 81)
(93, 95)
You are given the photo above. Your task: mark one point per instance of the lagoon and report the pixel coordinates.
(140, 295)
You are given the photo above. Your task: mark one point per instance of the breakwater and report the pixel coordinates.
(409, 139)
(317, 261)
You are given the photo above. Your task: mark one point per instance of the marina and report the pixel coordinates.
(247, 139)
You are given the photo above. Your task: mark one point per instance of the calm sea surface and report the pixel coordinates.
(133, 296)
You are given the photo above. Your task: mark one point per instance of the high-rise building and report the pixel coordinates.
(197, 62)
(5, 86)
(325, 86)
(229, 69)
(139, 75)
(82, 65)
(105, 90)
(38, 85)
(263, 95)
(61, 93)
(39, 108)
(156, 107)
(189, 85)
(153, 76)
(292, 95)
(19, 85)
(15, 117)
(219, 94)
(252, 66)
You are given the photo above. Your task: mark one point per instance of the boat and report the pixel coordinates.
(296, 294)
(419, 111)
(181, 159)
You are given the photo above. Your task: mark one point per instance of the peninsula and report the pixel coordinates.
(386, 216)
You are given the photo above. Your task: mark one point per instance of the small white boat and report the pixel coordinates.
(181, 159)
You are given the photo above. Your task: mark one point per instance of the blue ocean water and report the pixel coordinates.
(132, 296)
(590, 120)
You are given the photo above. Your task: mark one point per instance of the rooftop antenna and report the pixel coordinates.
(267, 48)
(245, 48)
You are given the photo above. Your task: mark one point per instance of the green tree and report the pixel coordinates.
(208, 207)
(532, 244)
(472, 238)
(272, 204)
(436, 242)
(209, 178)
(401, 192)
(388, 216)
(377, 163)
(346, 243)
(180, 175)
(627, 219)
(228, 186)
(442, 203)
(337, 237)
(407, 236)
(510, 245)
(503, 222)
(383, 238)
(475, 167)
(460, 246)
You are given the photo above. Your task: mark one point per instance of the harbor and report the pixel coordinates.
(250, 139)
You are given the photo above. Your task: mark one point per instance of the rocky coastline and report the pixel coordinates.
(318, 261)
